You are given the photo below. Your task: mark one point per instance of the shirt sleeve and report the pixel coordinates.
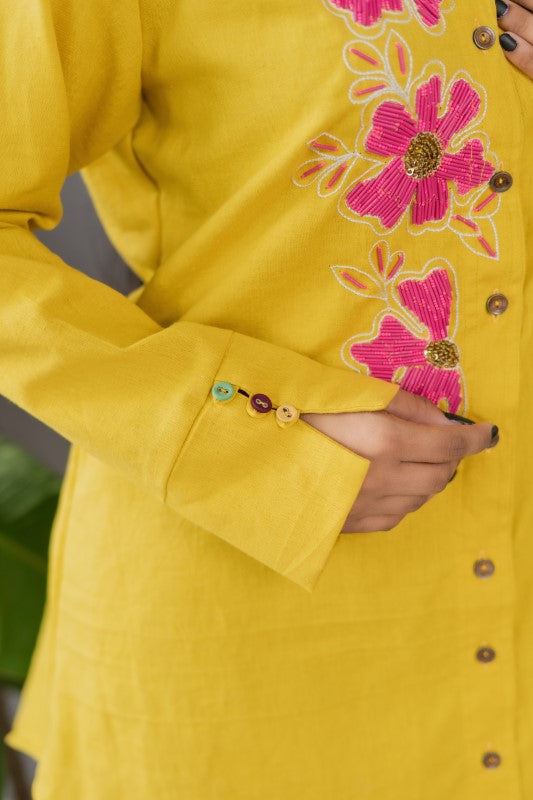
(93, 366)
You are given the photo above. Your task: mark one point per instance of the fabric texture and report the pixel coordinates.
(209, 633)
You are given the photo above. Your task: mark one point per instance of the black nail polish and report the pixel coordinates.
(494, 431)
(507, 42)
(501, 8)
(457, 418)
(453, 476)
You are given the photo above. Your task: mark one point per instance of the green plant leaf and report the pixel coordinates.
(28, 500)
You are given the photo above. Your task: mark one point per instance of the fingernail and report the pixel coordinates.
(495, 436)
(507, 42)
(457, 418)
(453, 476)
(501, 8)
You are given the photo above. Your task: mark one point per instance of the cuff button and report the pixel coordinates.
(223, 391)
(286, 415)
(259, 404)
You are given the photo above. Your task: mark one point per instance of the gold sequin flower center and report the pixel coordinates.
(423, 155)
(442, 354)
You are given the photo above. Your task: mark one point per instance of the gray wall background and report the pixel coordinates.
(80, 241)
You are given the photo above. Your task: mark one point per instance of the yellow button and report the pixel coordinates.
(286, 415)
(484, 37)
(501, 181)
(497, 304)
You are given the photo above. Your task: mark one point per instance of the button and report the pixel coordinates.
(501, 181)
(259, 404)
(491, 760)
(484, 568)
(223, 391)
(286, 415)
(484, 37)
(497, 304)
(486, 655)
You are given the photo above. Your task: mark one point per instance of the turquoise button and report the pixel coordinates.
(222, 390)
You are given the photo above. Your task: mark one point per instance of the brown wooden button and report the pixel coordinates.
(484, 567)
(497, 304)
(491, 760)
(486, 655)
(484, 37)
(501, 181)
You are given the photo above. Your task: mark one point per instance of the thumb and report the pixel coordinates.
(414, 408)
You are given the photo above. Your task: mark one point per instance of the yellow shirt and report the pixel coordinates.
(317, 197)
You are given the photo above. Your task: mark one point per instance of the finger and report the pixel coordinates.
(525, 3)
(400, 504)
(409, 479)
(438, 443)
(369, 506)
(372, 524)
(521, 56)
(517, 19)
(417, 409)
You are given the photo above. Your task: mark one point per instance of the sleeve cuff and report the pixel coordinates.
(281, 495)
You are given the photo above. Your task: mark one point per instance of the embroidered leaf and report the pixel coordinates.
(327, 146)
(309, 171)
(368, 87)
(474, 223)
(332, 180)
(399, 62)
(485, 240)
(363, 58)
(360, 282)
(463, 225)
(330, 168)
(485, 203)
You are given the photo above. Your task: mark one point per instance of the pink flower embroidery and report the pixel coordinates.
(431, 364)
(420, 167)
(367, 12)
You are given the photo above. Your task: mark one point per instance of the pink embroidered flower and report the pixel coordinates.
(431, 364)
(367, 12)
(420, 167)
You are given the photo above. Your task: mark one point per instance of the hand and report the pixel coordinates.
(517, 20)
(413, 451)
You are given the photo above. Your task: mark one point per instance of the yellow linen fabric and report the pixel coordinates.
(208, 632)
